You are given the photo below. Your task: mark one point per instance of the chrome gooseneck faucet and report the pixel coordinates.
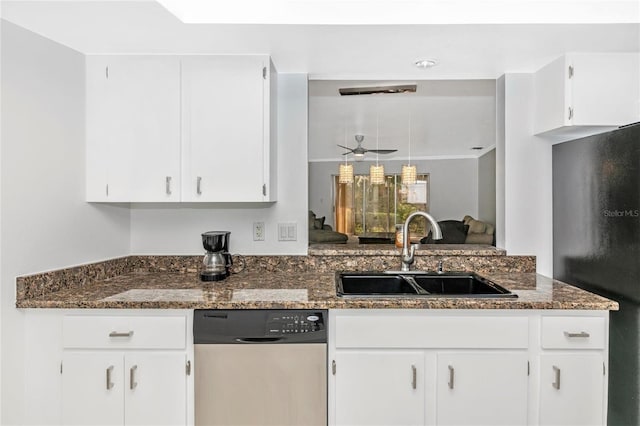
(408, 250)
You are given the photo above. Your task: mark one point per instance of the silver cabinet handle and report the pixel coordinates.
(581, 334)
(199, 185)
(132, 377)
(167, 185)
(109, 382)
(556, 382)
(117, 334)
(414, 376)
(451, 375)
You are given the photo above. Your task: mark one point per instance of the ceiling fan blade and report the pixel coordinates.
(382, 151)
(345, 147)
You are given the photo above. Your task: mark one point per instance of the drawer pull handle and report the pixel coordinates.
(109, 382)
(132, 377)
(451, 376)
(117, 334)
(556, 382)
(414, 377)
(581, 334)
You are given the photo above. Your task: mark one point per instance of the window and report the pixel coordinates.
(365, 209)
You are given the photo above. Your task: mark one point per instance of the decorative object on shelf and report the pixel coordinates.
(346, 169)
(409, 172)
(376, 173)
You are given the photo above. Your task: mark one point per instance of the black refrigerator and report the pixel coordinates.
(596, 245)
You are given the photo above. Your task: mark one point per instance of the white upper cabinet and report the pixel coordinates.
(133, 128)
(582, 94)
(226, 128)
(181, 128)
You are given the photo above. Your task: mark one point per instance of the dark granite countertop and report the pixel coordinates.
(351, 249)
(295, 290)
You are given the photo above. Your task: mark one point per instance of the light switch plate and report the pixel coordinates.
(287, 232)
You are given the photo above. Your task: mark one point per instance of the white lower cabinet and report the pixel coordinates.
(572, 389)
(125, 370)
(466, 367)
(477, 388)
(380, 387)
(117, 388)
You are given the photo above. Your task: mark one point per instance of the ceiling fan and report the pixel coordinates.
(359, 151)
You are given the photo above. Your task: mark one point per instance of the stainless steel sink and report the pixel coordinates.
(417, 284)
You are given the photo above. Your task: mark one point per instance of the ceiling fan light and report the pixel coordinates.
(358, 156)
(346, 173)
(376, 175)
(409, 175)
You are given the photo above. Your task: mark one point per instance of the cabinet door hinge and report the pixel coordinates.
(570, 113)
(528, 368)
(333, 367)
(264, 189)
(188, 368)
(570, 71)
(106, 72)
(264, 73)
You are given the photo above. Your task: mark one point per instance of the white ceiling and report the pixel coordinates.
(447, 119)
(478, 51)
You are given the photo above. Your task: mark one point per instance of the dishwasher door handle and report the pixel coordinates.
(257, 339)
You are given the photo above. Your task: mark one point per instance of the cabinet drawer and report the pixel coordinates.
(432, 332)
(573, 333)
(122, 332)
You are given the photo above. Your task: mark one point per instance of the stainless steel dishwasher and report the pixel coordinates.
(260, 367)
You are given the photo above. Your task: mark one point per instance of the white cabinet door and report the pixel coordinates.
(379, 387)
(572, 389)
(482, 388)
(225, 105)
(156, 388)
(92, 388)
(133, 128)
(582, 94)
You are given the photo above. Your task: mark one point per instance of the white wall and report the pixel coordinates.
(176, 229)
(45, 222)
(524, 170)
(453, 185)
(487, 187)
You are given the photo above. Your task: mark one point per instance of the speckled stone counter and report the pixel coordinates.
(295, 282)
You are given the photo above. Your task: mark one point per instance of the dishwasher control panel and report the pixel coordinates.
(293, 322)
(259, 326)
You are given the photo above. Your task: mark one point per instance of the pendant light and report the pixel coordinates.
(376, 173)
(409, 172)
(346, 169)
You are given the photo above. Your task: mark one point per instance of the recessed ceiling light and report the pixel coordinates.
(477, 148)
(426, 63)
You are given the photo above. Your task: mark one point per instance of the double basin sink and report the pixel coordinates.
(417, 284)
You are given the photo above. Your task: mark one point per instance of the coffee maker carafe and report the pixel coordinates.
(217, 262)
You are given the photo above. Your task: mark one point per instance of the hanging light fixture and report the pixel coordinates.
(376, 173)
(346, 173)
(409, 172)
(346, 169)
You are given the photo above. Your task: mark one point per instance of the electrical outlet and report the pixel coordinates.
(258, 231)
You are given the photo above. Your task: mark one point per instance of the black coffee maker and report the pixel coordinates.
(217, 262)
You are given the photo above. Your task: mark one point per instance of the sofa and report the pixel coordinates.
(465, 231)
(319, 233)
